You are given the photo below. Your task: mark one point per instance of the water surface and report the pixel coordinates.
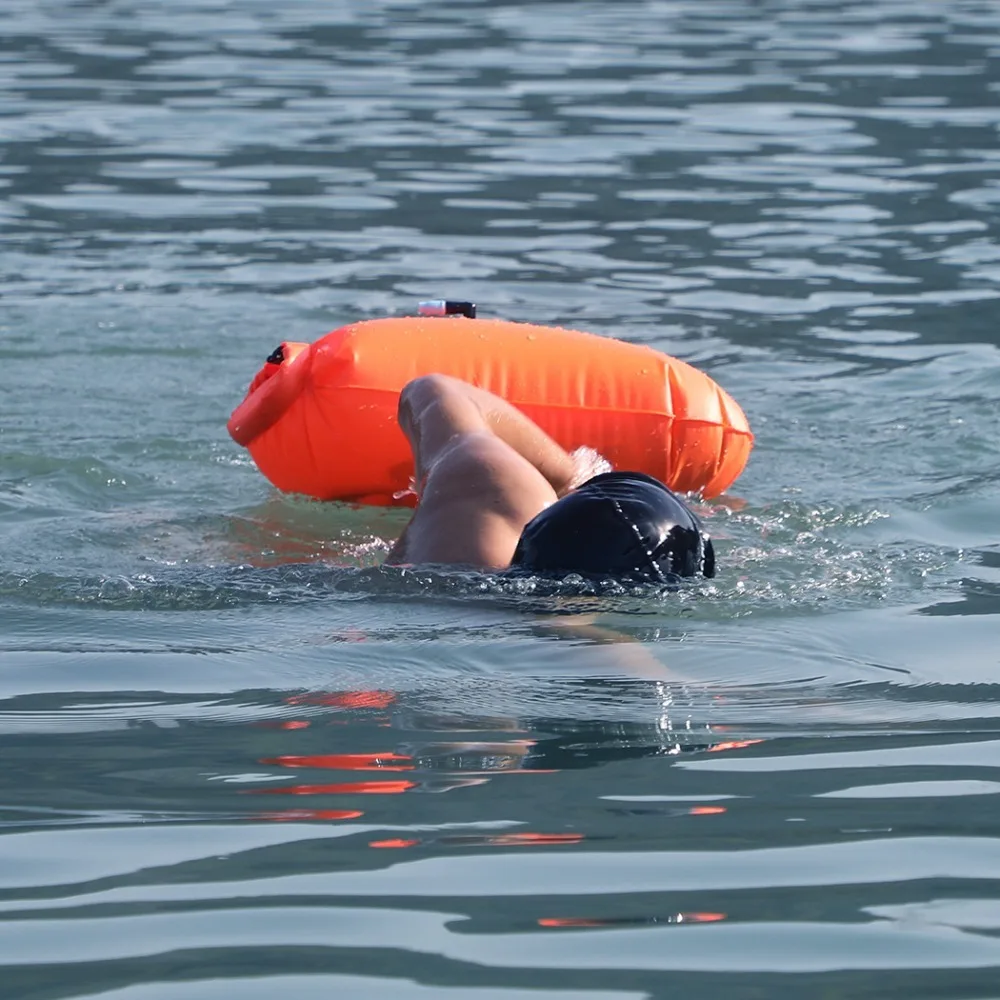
(242, 758)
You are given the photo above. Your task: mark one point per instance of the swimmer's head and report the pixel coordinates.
(624, 525)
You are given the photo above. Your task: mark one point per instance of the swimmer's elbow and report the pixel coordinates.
(426, 388)
(417, 396)
(434, 407)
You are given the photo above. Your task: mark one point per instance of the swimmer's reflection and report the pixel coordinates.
(541, 745)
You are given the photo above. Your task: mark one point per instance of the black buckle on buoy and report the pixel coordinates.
(447, 307)
(277, 355)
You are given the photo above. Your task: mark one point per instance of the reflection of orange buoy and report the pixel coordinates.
(533, 839)
(350, 788)
(344, 699)
(299, 815)
(732, 745)
(320, 419)
(673, 918)
(346, 761)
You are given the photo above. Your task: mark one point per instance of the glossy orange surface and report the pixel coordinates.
(323, 421)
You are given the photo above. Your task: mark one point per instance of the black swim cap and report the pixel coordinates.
(625, 525)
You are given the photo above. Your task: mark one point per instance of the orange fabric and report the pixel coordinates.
(323, 422)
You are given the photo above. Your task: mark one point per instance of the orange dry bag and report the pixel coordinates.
(320, 419)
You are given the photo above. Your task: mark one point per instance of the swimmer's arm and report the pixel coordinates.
(630, 655)
(483, 471)
(435, 409)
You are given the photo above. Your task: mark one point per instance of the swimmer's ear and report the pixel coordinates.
(708, 560)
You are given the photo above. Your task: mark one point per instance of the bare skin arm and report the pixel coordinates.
(485, 470)
(434, 409)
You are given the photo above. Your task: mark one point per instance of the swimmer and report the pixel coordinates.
(496, 493)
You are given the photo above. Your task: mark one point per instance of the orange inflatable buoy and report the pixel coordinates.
(320, 418)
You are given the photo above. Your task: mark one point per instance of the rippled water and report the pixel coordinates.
(222, 722)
